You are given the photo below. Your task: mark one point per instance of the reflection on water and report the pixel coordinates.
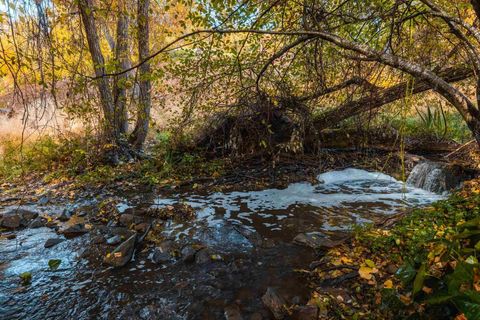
(252, 231)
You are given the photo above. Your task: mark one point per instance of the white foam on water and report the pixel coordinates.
(351, 191)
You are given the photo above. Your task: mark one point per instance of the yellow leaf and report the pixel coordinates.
(365, 272)
(346, 260)
(388, 284)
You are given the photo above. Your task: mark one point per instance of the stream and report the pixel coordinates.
(238, 245)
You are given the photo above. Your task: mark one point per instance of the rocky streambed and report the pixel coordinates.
(190, 255)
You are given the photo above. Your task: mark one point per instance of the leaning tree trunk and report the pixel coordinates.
(120, 83)
(110, 129)
(144, 104)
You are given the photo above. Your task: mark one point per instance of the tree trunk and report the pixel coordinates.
(380, 98)
(120, 83)
(144, 104)
(86, 11)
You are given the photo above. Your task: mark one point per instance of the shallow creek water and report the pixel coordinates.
(252, 232)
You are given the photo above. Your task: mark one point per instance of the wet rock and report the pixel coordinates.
(11, 221)
(160, 256)
(10, 236)
(275, 303)
(65, 216)
(99, 239)
(203, 256)
(188, 254)
(52, 242)
(43, 200)
(38, 222)
(26, 215)
(74, 231)
(305, 313)
(232, 312)
(126, 219)
(114, 240)
(122, 254)
(316, 241)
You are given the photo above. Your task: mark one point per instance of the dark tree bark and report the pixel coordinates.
(88, 19)
(122, 58)
(144, 104)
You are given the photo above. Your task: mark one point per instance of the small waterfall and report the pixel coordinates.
(434, 177)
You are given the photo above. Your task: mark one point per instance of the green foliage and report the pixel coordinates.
(437, 247)
(435, 123)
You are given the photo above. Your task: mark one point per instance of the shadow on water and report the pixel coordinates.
(248, 236)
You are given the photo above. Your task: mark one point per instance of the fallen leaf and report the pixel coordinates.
(388, 284)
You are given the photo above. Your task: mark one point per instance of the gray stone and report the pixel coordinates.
(26, 215)
(38, 222)
(275, 303)
(53, 242)
(122, 254)
(114, 240)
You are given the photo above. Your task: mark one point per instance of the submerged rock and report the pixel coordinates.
(315, 241)
(74, 231)
(122, 254)
(275, 303)
(38, 222)
(52, 242)
(188, 254)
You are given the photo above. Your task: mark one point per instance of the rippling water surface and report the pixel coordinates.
(252, 232)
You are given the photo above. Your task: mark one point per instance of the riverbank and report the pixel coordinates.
(238, 254)
(422, 265)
